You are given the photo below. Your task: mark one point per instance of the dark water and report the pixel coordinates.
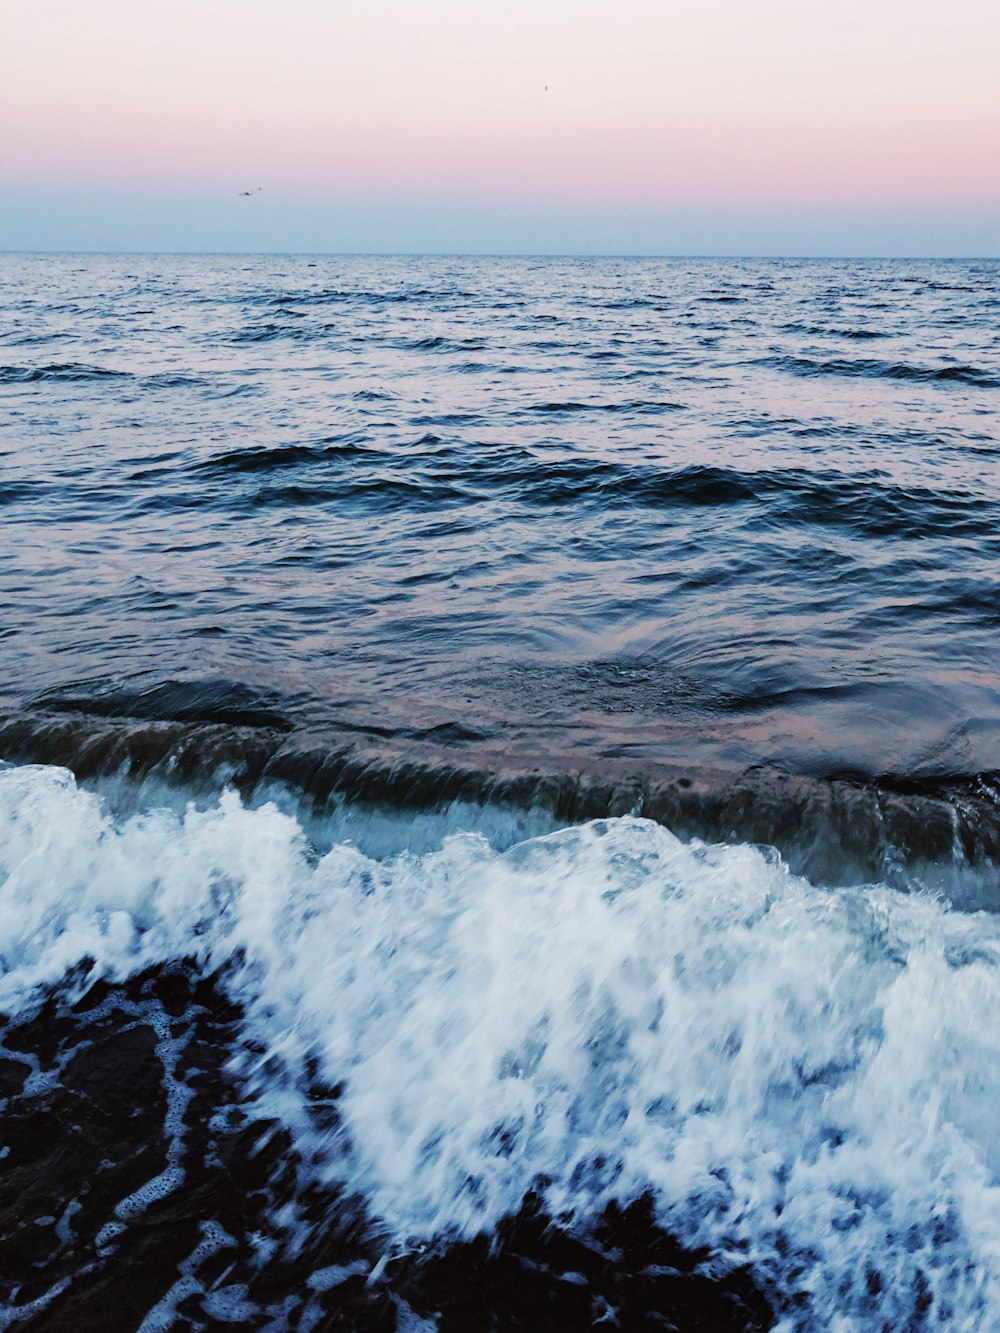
(434, 561)
(591, 510)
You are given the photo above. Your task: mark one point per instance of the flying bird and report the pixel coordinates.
(247, 194)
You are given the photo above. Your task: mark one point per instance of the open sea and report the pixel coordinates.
(499, 794)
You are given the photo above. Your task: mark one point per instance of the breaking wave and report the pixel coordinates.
(801, 1080)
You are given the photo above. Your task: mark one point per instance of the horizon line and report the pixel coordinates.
(500, 254)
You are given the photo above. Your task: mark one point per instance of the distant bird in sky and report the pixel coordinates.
(246, 194)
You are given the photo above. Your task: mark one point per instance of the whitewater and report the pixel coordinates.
(803, 1079)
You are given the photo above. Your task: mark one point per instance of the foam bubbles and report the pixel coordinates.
(807, 1078)
(151, 1192)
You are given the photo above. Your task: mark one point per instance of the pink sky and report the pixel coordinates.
(650, 103)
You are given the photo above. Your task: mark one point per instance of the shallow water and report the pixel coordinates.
(502, 826)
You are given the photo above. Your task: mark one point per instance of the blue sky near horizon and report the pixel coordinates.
(138, 224)
(146, 223)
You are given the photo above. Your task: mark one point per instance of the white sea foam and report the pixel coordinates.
(805, 1077)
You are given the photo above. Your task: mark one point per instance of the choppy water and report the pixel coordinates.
(743, 511)
(445, 557)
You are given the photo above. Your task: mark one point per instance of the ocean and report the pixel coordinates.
(499, 777)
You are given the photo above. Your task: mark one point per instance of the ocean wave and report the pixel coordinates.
(439, 343)
(891, 370)
(36, 337)
(638, 303)
(440, 473)
(826, 331)
(74, 372)
(450, 474)
(639, 406)
(310, 296)
(592, 1016)
(59, 373)
(214, 701)
(265, 333)
(268, 459)
(913, 830)
(174, 379)
(21, 492)
(285, 301)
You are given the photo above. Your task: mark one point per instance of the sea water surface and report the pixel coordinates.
(498, 824)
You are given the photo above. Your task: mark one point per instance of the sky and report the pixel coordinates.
(524, 126)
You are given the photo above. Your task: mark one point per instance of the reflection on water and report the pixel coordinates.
(714, 510)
